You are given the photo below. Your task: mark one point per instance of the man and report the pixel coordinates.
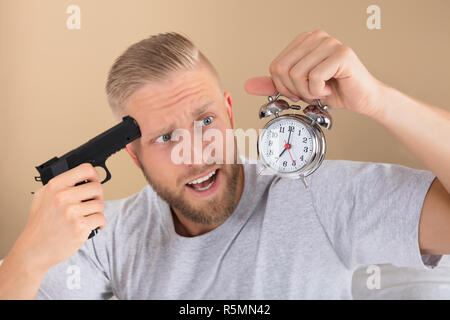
(220, 231)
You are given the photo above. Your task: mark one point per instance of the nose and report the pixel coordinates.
(198, 148)
(197, 152)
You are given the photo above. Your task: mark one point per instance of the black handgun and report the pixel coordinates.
(95, 152)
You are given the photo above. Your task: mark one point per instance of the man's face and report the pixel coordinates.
(175, 103)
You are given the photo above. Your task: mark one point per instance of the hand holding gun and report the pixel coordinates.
(63, 212)
(95, 152)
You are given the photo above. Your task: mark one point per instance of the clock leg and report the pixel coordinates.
(303, 178)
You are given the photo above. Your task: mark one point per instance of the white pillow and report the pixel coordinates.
(403, 283)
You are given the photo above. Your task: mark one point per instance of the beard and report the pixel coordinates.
(212, 211)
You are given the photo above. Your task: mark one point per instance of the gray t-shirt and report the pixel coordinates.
(282, 242)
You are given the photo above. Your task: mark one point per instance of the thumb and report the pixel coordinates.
(260, 86)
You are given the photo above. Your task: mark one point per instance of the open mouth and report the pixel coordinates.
(205, 185)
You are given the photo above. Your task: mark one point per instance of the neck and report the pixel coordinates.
(188, 228)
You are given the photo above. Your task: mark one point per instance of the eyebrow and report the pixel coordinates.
(195, 113)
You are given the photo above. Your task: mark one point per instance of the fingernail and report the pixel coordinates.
(294, 98)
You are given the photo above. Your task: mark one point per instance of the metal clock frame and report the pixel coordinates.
(318, 141)
(315, 116)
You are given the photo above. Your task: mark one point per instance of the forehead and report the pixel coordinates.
(175, 97)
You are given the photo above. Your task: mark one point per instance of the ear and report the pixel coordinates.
(229, 105)
(132, 154)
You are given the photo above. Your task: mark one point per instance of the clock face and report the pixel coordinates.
(286, 145)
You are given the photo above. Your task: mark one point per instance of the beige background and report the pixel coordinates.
(52, 79)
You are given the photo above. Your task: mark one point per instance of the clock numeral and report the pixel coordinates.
(305, 139)
(294, 163)
(270, 143)
(301, 158)
(305, 149)
(270, 152)
(284, 163)
(282, 129)
(274, 134)
(299, 131)
(291, 129)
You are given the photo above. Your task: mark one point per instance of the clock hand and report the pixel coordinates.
(288, 146)
(291, 157)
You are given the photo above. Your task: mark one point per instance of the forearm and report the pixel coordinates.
(17, 281)
(424, 129)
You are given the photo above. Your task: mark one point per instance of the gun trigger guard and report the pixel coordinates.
(108, 174)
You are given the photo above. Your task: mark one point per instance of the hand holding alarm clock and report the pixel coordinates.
(321, 71)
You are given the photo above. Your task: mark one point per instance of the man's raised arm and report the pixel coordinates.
(317, 66)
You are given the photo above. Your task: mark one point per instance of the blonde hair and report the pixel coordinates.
(151, 59)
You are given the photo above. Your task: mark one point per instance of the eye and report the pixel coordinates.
(163, 138)
(207, 121)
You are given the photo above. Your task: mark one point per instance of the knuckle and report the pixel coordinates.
(320, 33)
(89, 169)
(345, 51)
(337, 41)
(87, 166)
(94, 172)
(71, 210)
(272, 67)
(329, 41)
(59, 199)
(314, 75)
(51, 185)
(277, 68)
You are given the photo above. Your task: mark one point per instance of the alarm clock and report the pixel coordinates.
(292, 145)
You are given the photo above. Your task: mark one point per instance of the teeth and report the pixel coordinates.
(203, 178)
(207, 187)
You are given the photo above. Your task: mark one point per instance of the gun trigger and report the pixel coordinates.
(108, 174)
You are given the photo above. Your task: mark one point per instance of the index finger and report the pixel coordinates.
(263, 86)
(80, 173)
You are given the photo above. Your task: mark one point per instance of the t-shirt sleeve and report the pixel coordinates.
(82, 276)
(371, 211)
